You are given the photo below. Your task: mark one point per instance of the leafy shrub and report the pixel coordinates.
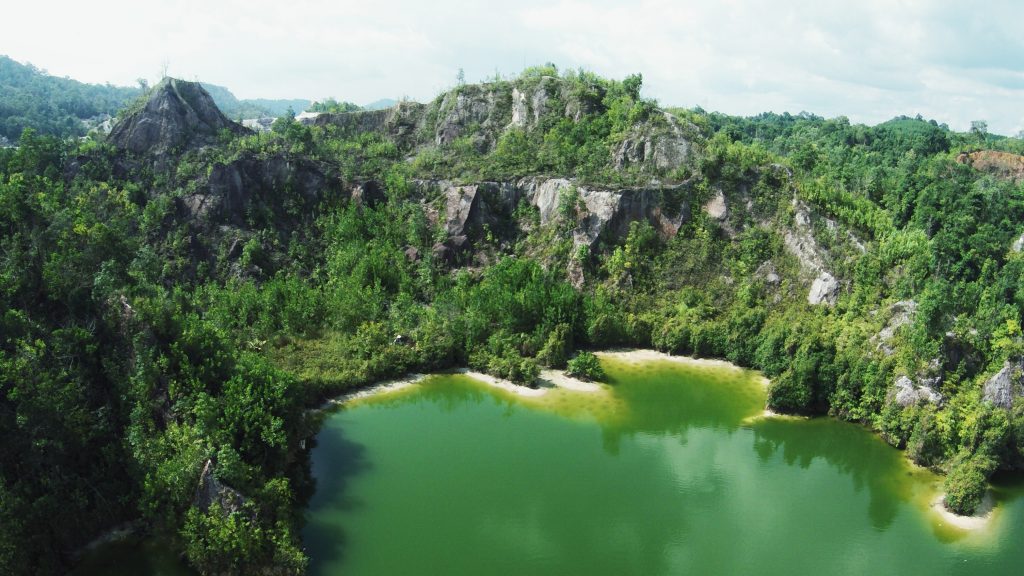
(966, 483)
(586, 366)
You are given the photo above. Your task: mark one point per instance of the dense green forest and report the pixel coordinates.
(30, 98)
(164, 328)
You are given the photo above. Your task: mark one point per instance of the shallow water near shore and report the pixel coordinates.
(667, 470)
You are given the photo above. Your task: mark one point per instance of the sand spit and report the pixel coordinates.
(980, 519)
(559, 379)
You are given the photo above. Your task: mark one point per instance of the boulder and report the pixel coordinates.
(824, 290)
(766, 271)
(716, 207)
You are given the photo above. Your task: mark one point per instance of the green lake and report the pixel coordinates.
(671, 469)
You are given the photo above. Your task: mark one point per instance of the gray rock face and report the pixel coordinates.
(907, 393)
(402, 122)
(665, 148)
(901, 314)
(464, 108)
(716, 208)
(234, 188)
(605, 211)
(487, 111)
(211, 491)
(601, 213)
(1006, 386)
(824, 290)
(800, 241)
(460, 203)
(177, 116)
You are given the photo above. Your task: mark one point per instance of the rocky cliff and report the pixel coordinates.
(483, 113)
(174, 117)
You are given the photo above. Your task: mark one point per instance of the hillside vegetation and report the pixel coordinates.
(168, 319)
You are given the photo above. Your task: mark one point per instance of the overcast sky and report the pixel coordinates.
(869, 60)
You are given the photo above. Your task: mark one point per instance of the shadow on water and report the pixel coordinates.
(335, 461)
(853, 451)
(675, 398)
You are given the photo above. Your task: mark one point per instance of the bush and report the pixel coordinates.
(586, 366)
(555, 352)
(788, 394)
(966, 483)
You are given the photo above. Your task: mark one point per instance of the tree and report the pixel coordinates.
(979, 128)
(632, 85)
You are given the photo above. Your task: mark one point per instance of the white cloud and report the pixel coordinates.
(868, 60)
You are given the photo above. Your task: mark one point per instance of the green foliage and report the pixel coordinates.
(236, 543)
(332, 106)
(557, 348)
(967, 482)
(586, 366)
(137, 344)
(30, 98)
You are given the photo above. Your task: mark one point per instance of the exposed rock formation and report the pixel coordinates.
(1007, 385)
(901, 313)
(211, 491)
(485, 112)
(249, 184)
(1000, 164)
(800, 241)
(716, 207)
(604, 212)
(906, 392)
(824, 289)
(402, 122)
(176, 116)
(663, 147)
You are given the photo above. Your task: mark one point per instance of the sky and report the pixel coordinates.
(868, 60)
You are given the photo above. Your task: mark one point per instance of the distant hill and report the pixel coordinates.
(237, 109)
(29, 97)
(381, 104)
(279, 107)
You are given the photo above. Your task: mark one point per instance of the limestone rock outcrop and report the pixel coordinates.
(1007, 385)
(906, 393)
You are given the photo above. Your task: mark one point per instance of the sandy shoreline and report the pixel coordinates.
(559, 379)
(502, 384)
(980, 519)
(642, 355)
(548, 380)
(382, 387)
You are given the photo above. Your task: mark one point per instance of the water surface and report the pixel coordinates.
(669, 471)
